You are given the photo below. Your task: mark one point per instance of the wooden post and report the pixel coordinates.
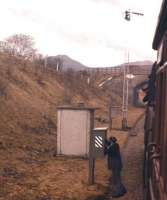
(91, 170)
(91, 158)
(98, 138)
(110, 118)
(91, 162)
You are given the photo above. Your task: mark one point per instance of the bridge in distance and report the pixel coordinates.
(118, 71)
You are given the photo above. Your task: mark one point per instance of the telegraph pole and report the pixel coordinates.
(126, 78)
(125, 93)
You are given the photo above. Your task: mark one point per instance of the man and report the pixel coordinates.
(115, 164)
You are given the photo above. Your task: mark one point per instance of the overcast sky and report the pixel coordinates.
(93, 32)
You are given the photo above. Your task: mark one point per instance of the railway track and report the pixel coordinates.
(132, 174)
(133, 163)
(136, 128)
(132, 155)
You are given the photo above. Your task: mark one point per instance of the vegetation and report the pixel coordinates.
(29, 95)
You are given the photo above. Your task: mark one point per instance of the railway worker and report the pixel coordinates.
(151, 91)
(115, 164)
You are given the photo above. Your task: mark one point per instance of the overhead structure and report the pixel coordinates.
(126, 77)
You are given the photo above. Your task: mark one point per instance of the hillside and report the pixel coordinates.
(29, 95)
(65, 63)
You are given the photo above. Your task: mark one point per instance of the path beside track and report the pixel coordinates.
(133, 164)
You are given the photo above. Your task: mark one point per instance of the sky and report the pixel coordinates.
(94, 32)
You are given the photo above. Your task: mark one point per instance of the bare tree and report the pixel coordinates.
(21, 45)
(4, 47)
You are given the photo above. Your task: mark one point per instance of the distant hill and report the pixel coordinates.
(65, 63)
(140, 63)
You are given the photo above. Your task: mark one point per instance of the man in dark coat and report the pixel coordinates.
(115, 164)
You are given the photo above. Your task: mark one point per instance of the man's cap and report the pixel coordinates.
(113, 139)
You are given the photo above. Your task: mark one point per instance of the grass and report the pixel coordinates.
(28, 168)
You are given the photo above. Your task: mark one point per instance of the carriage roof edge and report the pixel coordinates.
(161, 26)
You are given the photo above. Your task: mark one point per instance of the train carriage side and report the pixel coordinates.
(155, 162)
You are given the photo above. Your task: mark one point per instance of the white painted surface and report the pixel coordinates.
(73, 132)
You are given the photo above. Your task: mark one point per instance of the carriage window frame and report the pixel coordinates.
(157, 137)
(162, 122)
(162, 51)
(161, 118)
(162, 60)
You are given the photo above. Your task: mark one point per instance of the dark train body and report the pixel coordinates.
(155, 162)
